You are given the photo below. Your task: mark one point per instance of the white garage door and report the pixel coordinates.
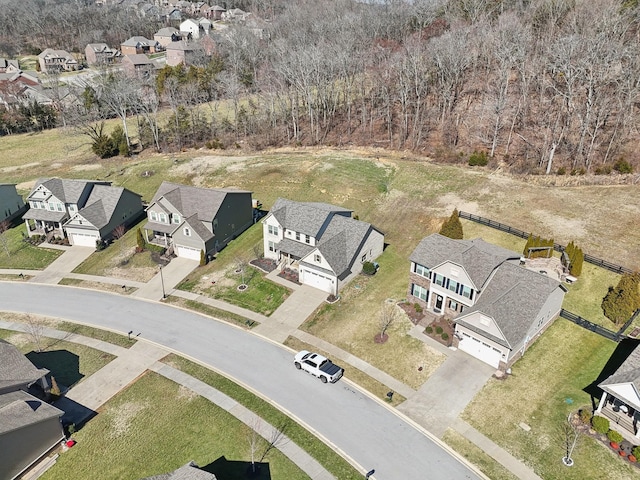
(482, 351)
(187, 252)
(84, 239)
(317, 280)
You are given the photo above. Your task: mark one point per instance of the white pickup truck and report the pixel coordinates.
(318, 366)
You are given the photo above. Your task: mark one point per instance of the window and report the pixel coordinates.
(453, 286)
(466, 292)
(72, 208)
(215, 223)
(153, 216)
(162, 217)
(317, 258)
(438, 279)
(272, 246)
(273, 230)
(187, 232)
(176, 218)
(453, 305)
(52, 206)
(422, 270)
(60, 209)
(420, 292)
(307, 239)
(298, 236)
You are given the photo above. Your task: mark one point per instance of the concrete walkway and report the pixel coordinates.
(166, 279)
(61, 266)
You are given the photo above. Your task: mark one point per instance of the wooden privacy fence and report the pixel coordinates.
(556, 246)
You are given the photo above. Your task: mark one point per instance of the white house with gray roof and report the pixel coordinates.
(322, 242)
(84, 211)
(499, 308)
(620, 401)
(191, 219)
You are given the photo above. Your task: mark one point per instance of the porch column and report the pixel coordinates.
(26, 222)
(146, 235)
(602, 403)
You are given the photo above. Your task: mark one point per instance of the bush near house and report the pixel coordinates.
(600, 424)
(622, 301)
(576, 257)
(537, 242)
(368, 268)
(452, 227)
(614, 436)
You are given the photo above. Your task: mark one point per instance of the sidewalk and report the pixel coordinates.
(63, 265)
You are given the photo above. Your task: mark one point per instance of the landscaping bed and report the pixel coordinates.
(440, 330)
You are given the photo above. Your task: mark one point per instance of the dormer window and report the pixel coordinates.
(187, 232)
(307, 239)
(317, 258)
(163, 217)
(176, 218)
(298, 236)
(72, 208)
(153, 216)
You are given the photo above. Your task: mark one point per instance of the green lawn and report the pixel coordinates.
(106, 287)
(329, 459)
(155, 426)
(119, 260)
(506, 240)
(23, 254)
(211, 311)
(68, 362)
(476, 456)
(546, 385)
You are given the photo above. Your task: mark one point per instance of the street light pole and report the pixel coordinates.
(164, 296)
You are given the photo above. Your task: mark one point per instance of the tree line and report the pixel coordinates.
(547, 86)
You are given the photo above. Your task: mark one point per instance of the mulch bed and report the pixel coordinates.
(447, 328)
(410, 310)
(264, 264)
(291, 275)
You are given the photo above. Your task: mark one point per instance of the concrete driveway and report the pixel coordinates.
(166, 280)
(65, 263)
(364, 429)
(446, 393)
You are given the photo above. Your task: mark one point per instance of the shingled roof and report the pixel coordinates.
(190, 471)
(513, 298)
(16, 369)
(203, 202)
(304, 217)
(101, 204)
(477, 257)
(19, 409)
(68, 191)
(341, 241)
(628, 372)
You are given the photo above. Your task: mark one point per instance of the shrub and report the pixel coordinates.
(636, 452)
(428, 330)
(203, 258)
(417, 307)
(614, 436)
(478, 159)
(215, 144)
(620, 302)
(603, 170)
(368, 268)
(562, 171)
(439, 330)
(140, 240)
(445, 336)
(600, 424)
(156, 248)
(452, 227)
(622, 166)
(585, 415)
(55, 389)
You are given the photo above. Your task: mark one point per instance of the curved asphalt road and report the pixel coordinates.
(371, 434)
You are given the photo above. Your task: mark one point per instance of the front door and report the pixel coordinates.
(439, 302)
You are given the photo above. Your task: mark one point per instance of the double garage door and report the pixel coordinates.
(188, 252)
(318, 280)
(84, 239)
(479, 349)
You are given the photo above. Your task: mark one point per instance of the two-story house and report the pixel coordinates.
(100, 54)
(499, 308)
(321, 241)
(191, 220)
(11, 203)
(83, 210)
(51, 60)
(140, 45)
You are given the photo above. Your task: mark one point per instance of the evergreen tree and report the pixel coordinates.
(203, 258)
(452, 227)
(140, 240)
(527, 246)
(620, 302)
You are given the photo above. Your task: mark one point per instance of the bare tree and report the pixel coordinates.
(276, 438)
(388, 315)
(35, 329)
(4, 241)
(254, 439)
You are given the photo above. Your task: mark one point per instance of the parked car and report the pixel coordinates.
(318, 366)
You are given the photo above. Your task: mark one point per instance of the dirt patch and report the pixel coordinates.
(82, 168)
(19, 339)
(19, 167)
(199, 166)
(122, 417)
(567, 227)
(450, 201)
(26, 185)
(185, 393)
(138, 274)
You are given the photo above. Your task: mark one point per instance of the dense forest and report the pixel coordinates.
(542, 86)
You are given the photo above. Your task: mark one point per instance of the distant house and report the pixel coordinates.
(166, 35)
(499, 308)
(190, 471)
(51, 60)
(100, 54)
(180, 52)
(11, 203)
(82, 210)
(140, 45)
(620, 401)
(138, 65)
(191, 219)
(8, 65)
(172, 14)
(29, 427)
(216, 12)
(235, 14)
(195, 29)
(322, 242)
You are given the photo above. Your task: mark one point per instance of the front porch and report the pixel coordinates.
(43, 227)
(161, 239)
(622, 417)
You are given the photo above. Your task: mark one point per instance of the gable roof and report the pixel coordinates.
(167, 32)
(304, 217)
(477, 257)
(182, 46)
(197, 226)
(628, 372)
(19, 409)
(341, 241)
(138, 59)
(68, 191)
(138, 40)
(190, 471)
(101, 204)
(15, 368)
(189, 201)
(513, 298)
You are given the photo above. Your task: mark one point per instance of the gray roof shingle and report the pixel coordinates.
(513, 298)
(628, 372)
(190, 471)
(68, 191)
(304, 217)
(15, 368)
(477, 257)
(19, 409)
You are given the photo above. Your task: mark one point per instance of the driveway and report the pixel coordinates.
(362, 428)
(65, 263)
(166, 279)
(446, 393)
